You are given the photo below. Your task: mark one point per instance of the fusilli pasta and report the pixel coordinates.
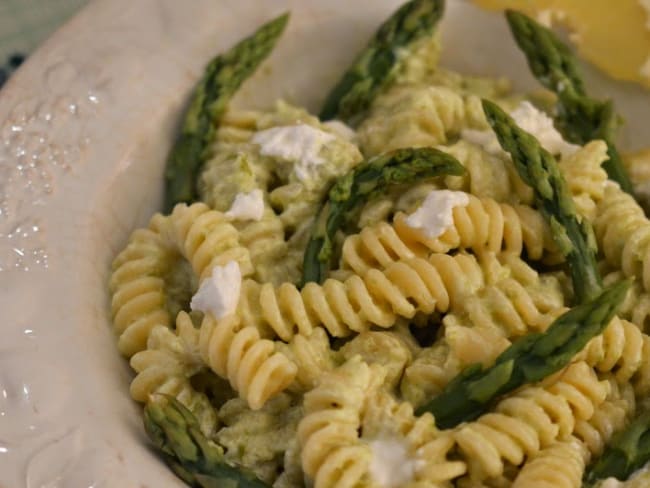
(166, 367)
(207, 239)
(416, 116)
(137, 285)
(530, 420)
(482, 225)
(609, 417)
(331, 454)
(377, 298)
(560, 465)
(252, 365)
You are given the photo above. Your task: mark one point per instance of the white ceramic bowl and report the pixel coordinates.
(85, 127)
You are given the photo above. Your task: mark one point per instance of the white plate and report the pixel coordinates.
(85, 127)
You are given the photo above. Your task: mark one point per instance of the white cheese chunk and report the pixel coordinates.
(391, 465)
(247, 206)
(435, 215)
(219, 293)
(532, 120)
(300, 144)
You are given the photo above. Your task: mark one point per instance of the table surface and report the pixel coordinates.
(24, 24)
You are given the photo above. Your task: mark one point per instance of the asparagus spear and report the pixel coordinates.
(580, 118)
(361, 184)
(628, 451)
(221, 79)
(573, 235)
(374, 66)
(193, 457)
(528, 360)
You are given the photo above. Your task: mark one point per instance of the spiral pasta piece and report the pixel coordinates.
(585, 177)
(141, 271)
(166, 366)
(620, 349)
(637, 165)
(636, 306)
(610, 417)
(623, 234)
(487, 175)
(378, 298)
(416, 116)
(347, 415)
(312, 355)
(137, 285)
(517, 300)
(207, 239)
(429, 449)
(331, 454)
(529, 420)
(482, 225)
(431, 370)
(251, 364)
(561, 465)
(268, 250)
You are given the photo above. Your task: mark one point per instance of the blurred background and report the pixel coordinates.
(24, 24)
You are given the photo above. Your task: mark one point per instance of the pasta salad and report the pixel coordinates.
(434, 282)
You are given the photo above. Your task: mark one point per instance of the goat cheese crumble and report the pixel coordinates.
(247, 206)
(435, 214)
(532, 120)
(219, 293)
(300, 144)
(392, 465)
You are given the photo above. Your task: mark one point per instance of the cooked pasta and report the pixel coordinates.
(622, 350)
(560, 465)
(331, 454)
(207, 239)
(610, 417)
(623, 234)
(348, 418)
(378, 298)
(482, 225)
(413, 116)
(530, 420)
(585, 176)
(422, 286)
(167, 366)
(252, 365)
(638, 168)
(636, 307)
(312, 356)
(138, 287)
(517, 301)
(431, 370)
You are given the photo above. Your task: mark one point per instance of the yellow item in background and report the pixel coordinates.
(613, 35)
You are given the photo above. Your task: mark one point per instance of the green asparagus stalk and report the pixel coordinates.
(221, 80)
(194, 458)
(573, 235)
(374, 66)
(627, 452)
(580, 118)
(531, 359)
(365, 181)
